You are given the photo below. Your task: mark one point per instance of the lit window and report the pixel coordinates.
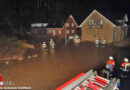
(54, 32)
(94, 34)
(72, 24)
(72, 31)
(49, 31)
(99, 24)
(59, 32)
(67, 24)
(90, 24)
(67, 32)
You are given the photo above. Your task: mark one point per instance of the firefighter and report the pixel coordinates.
(97, 42)
(123, 67)
(103, 42)
(44, 46)
(110, 64)
(126, 60)
(52, 44)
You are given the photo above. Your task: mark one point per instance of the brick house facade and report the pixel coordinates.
(70, 27)
(97, 26)
(58, 32)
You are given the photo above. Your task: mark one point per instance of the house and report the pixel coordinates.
(98, 26)
(70, 27)
(55, 32)
(39, 30)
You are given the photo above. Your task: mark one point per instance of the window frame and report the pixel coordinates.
(73, 31)
(54, 32)
(67, 25)
(49, 31)
(59, 32)
(99, 25)
(94, 34)
(72, 24)
(90, 24)
(67, 31)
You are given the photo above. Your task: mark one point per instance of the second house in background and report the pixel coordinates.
(96, 26)
(69, 28)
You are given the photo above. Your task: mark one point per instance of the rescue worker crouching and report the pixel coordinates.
(110, 64)
(124, 67)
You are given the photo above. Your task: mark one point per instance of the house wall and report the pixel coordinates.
(105, 32)
(117, 34)
(58, 32)
(38, 32)
(120, 33)
(71, 28)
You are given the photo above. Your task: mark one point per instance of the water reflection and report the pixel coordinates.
(51, 69)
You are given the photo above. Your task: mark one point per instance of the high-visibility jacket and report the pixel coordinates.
(44, 45)
(0, 78)
(123, 64)
(1, 82)
(111, 61)
(52, 43)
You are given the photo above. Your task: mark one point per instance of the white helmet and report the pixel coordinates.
(77, 88)
(126, 60)
(43, 42)
(51, 39)
(110, 57)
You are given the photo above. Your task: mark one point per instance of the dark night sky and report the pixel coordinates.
(16, 13)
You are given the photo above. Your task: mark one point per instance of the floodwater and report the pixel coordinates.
(48, 71)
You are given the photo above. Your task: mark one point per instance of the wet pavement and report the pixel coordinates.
(48, 71)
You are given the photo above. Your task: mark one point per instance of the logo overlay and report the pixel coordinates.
(10, 85)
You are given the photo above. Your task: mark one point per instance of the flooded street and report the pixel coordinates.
(47, 72)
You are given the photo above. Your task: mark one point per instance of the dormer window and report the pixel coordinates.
(90, 24)
(99, 24)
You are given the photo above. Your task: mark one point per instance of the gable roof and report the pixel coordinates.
(99, 14)
(72, 19)
(80, 18)
(61, 22)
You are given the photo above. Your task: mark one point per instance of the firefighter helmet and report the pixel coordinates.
(44, 42)
(51, 39)
(126, 60)
(110, 57)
